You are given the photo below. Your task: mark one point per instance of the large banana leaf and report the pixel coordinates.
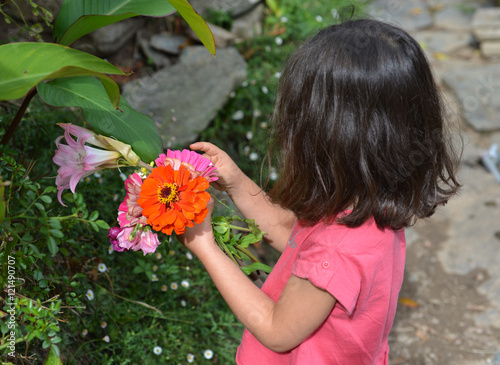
(196, 22)
(25, 64)
(79, 17)
(124, 124)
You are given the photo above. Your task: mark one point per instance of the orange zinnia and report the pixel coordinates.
(171, 199)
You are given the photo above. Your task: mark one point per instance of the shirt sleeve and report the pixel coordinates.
(326, 267)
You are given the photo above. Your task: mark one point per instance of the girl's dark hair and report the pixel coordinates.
(359, 123)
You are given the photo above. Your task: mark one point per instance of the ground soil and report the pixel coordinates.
(434, 323)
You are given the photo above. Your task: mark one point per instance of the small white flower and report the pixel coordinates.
(185, 283)
(164, 288)
(244, 83)
(277, 75)
(90, 294)
(123, 176)
(104, 324)
(154, 277)
(273, 175)
(97, 175)
(174, 286)
(232, 95)
(110, 249)
(208, 354)
(263, 125)
(157, 350)
(105, 338)
(265, 90)
(335, 13)
(253, 156)
(115, 197)
(154, 268)
(171, 252)
(238, 115)
(189, 255)
(85, 332)
(158, 255)
(101, 267)
(284, 19)
(190, 358)
(183, 303)
(319, 18)
(249, 135)
(278, 41)
(246, 150)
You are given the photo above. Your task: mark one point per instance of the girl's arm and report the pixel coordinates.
(249, 198)
(280, 326)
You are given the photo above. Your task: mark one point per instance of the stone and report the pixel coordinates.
(184, 98)
(478, 90)
(236, 8)
(486, 24)
(222, 37)
(250, 24)
(472, 241)
(168, 43)
(490, 48)
(157, 58)
(443, 41)
(453, 18)
(410, 15)
(109, 39)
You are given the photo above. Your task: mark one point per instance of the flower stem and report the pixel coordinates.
(145, 165)
(19, 115)
(240, 228)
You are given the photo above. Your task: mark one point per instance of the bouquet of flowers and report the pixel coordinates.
(167, 195)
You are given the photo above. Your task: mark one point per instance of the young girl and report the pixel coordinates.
(360, 131)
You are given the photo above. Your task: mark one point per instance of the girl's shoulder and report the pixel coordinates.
(332, 235)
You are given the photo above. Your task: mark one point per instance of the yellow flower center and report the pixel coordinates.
(167, 193)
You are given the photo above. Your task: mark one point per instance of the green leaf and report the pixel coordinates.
(94, 215)
(39, 206)
(55, 224)
(248, 240)
(125, 124)
(46, 199)
(54, 356)
(52, 245)
(26, 64)
(196, 22)
(256, 266)
(94, 226)
(77, 18)
(56, 233)
(102, 224)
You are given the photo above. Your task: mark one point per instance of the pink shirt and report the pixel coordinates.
(363, 269)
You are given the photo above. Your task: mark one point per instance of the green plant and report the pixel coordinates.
(38, 237)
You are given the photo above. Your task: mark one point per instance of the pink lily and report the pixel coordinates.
(77, 160)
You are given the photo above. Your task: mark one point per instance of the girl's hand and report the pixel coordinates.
(201, 236)
(228, 172)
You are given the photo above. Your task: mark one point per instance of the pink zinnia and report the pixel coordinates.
(129, 212)
(196, 163)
